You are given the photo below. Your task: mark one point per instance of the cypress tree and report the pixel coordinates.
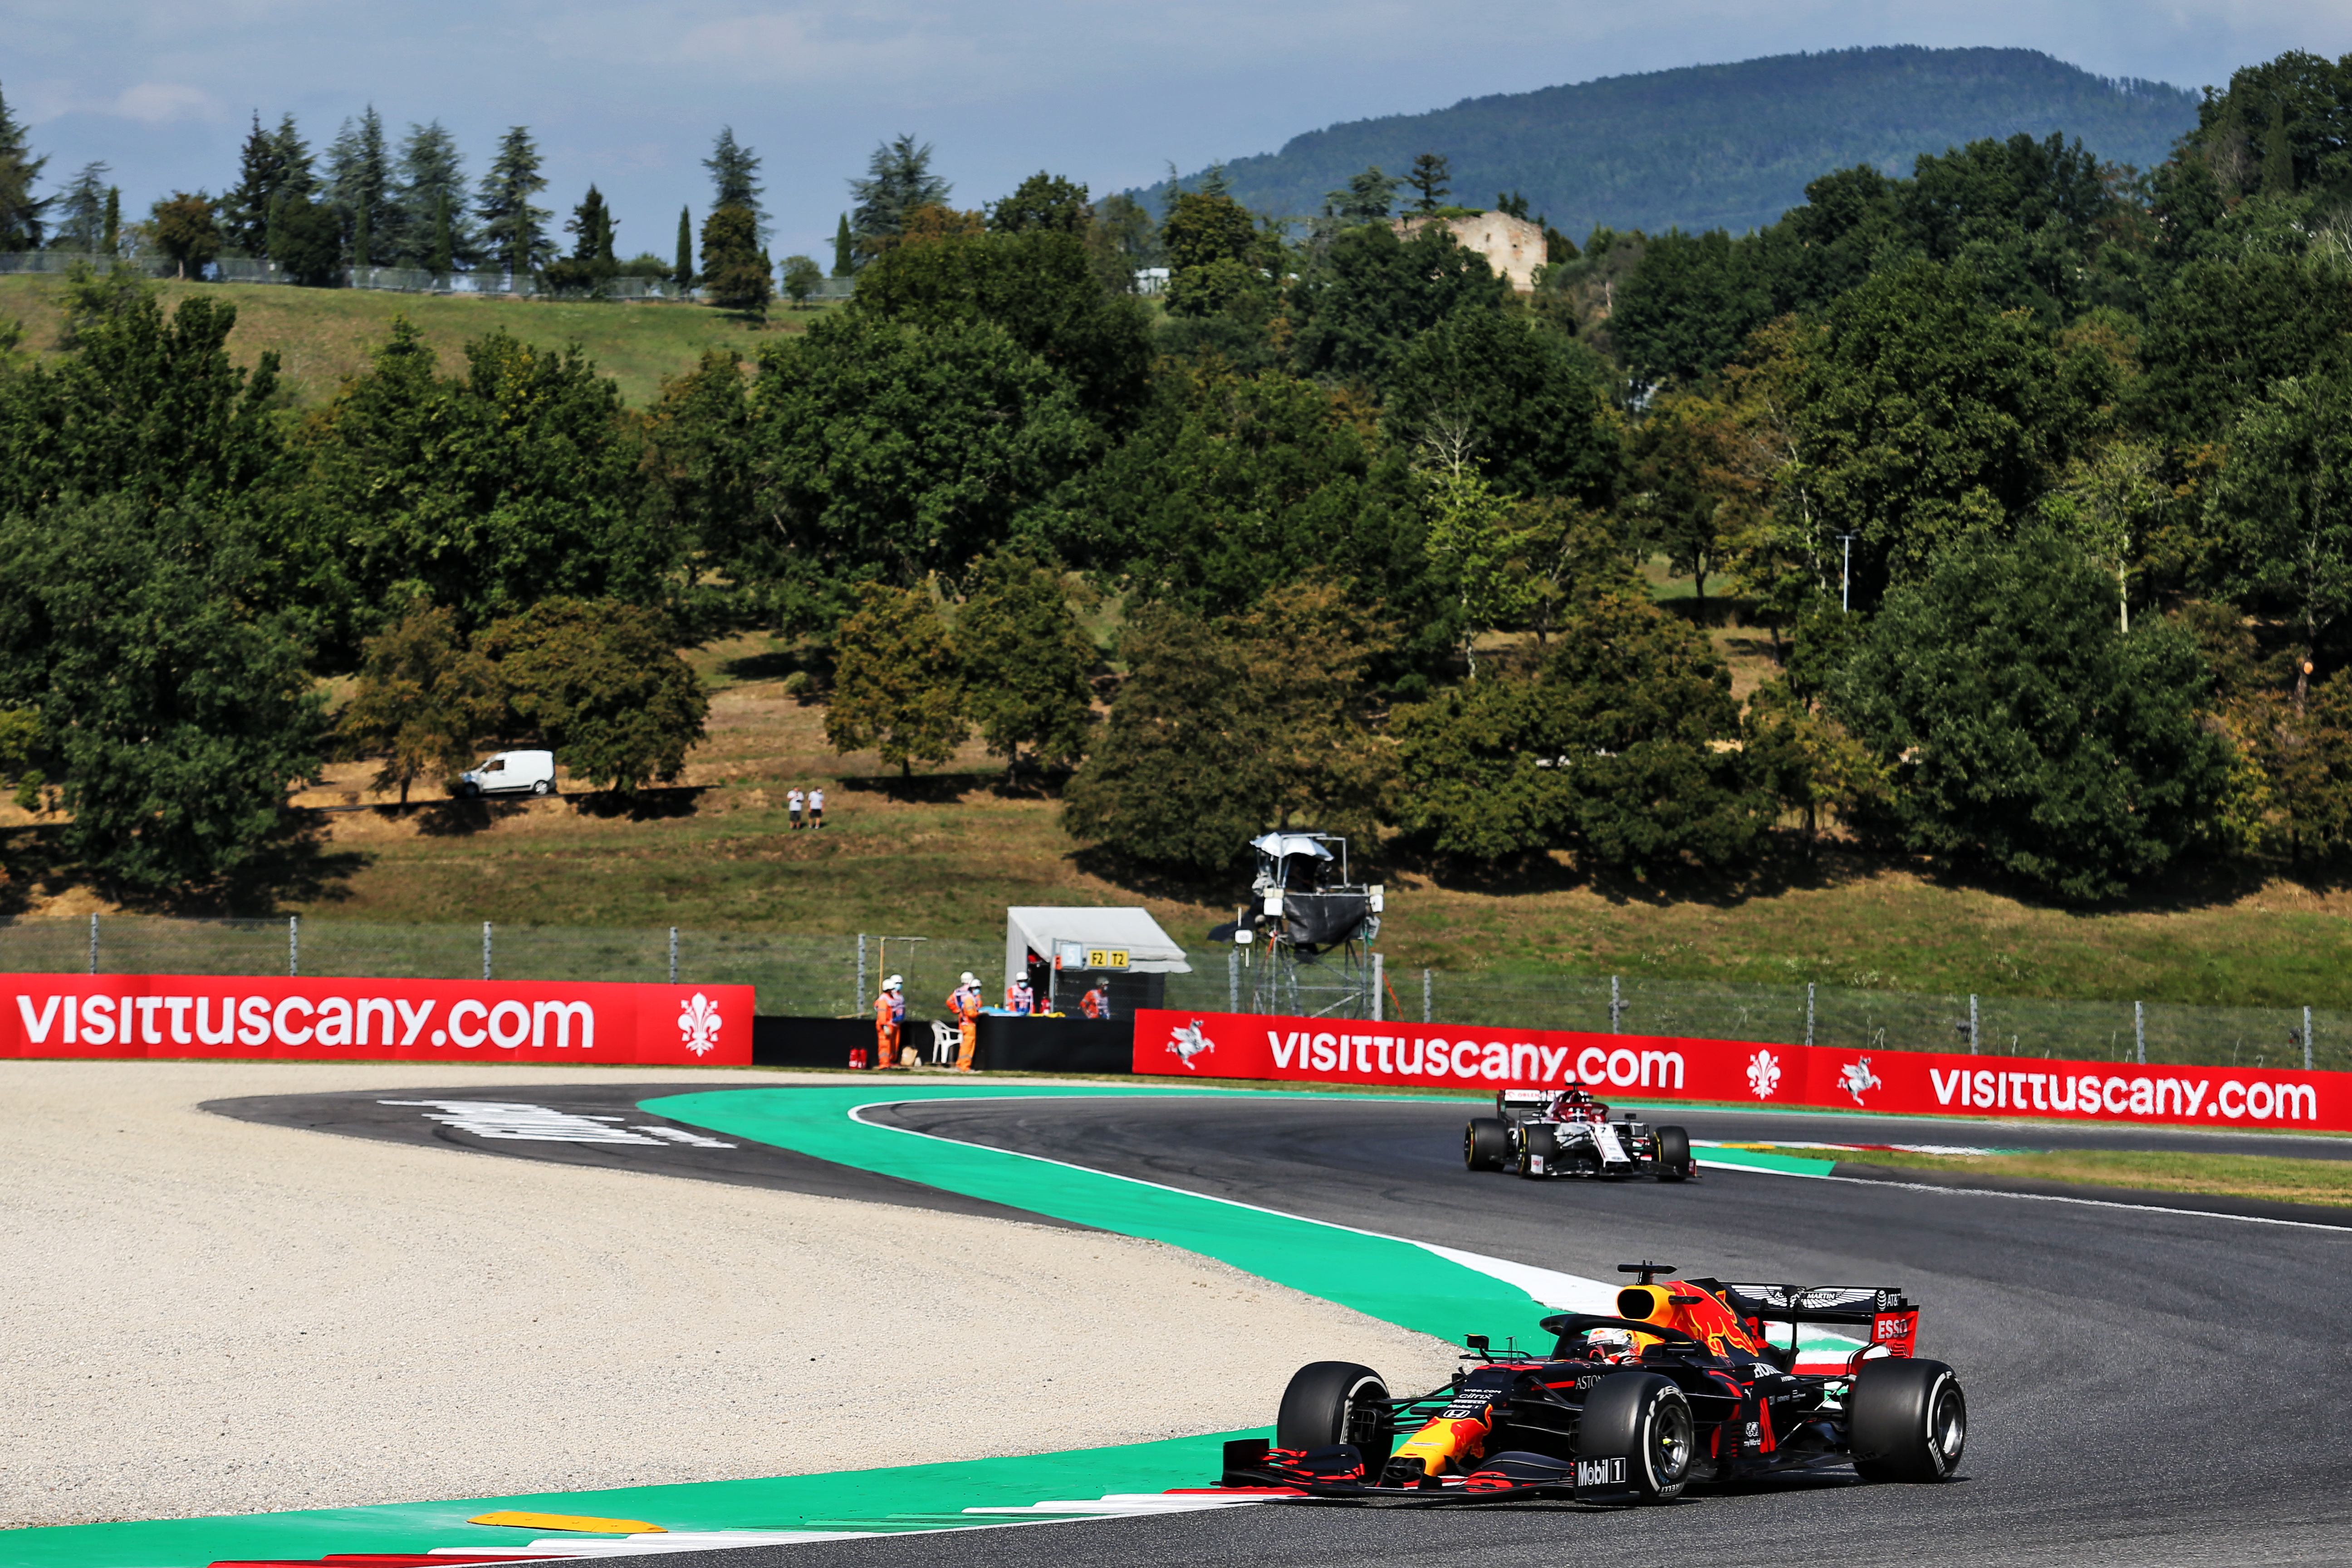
(112, 238)
(843, 265)
(685, 250)
(2278, 156)
(445, 261)
(360, 239)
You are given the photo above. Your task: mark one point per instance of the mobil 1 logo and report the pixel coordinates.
(1600, 1472)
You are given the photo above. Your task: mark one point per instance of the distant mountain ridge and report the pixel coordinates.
(1725, 146)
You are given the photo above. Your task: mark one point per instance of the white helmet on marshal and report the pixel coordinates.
(892, 983)
(968, 978)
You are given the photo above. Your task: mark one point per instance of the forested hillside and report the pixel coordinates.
(2033, 479)
(1729, 146)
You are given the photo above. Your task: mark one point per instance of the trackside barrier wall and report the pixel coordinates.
(1656, 1068)
(353, 1019)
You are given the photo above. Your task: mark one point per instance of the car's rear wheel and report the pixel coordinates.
(1675, 1162)
(1539, 1150)
(1645, 1418)
(542, 787)
(1909, 1420)
(1486, 1143)
(1332, 1402)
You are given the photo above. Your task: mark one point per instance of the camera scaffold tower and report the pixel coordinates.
(1305, 940)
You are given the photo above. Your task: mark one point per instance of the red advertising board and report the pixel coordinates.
(364, 1019)
(1653, 1067)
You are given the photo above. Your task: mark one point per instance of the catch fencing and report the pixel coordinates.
(837, 976)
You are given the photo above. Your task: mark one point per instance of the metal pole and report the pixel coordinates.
(2139, 1031)
(1615, 1005)
(1428, 1014)
(1808, 1011)
(1972, 1026)
(93, 944)
(673, 955)
(293, 945)
(2306, 1039)
(861, 971)
(1232, 980)
(1845, 577)
(486, 949)
(1379, 978)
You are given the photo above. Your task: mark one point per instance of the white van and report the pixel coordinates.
(510, 773)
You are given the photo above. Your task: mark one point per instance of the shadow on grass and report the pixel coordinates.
(921, 789)
(291, 865)
(654, 804)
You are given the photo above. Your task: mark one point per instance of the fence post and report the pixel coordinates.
(673, 955)
(1808, 1011)
(293, 945)
(1232, 980)
(1427, 1013)
(93, 943)
(2139, 1031)
(486, 949)
(1972, 1024)
(1615, 1006)
(860, 1002)
(1379, 978)
(2306, 1039)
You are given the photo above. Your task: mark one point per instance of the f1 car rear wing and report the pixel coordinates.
(1529, 1098)
(1891, 1316)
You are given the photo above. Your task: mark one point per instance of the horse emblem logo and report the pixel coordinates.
(698, 1024)
(1188, 1043)
(1763, 1073)
(1856, 1078)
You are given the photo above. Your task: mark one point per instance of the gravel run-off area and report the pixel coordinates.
(206, 1316)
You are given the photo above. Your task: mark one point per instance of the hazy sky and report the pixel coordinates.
(1107, 91)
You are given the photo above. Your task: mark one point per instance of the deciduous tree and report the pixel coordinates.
(2022, 728)
(1026, 662)
(596, 680)
(413, 704)
(898, 681)
(184, 231)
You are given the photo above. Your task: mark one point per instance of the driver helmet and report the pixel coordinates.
(1609, 1344)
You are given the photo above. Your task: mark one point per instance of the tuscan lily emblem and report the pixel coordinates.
(698, 1022)
(1763, 1073)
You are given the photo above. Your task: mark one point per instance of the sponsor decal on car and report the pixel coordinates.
(1600, 1472)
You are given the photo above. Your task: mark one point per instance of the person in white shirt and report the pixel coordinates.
(793, 805)
(816, 808)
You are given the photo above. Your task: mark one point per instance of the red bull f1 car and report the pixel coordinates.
(1545, 1132)
(1686, 1385)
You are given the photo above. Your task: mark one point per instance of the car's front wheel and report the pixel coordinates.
(1486, 1143)
(470, 790)
(1332, 1402)
(1644, 1418)
(1675, 1162)
(1909, 1420)
(1539, 1150)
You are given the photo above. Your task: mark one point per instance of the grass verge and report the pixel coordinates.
(2273, 1177)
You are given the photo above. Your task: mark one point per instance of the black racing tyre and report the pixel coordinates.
(1539, 1142)
(1486, 1143)
(1332, 1402)
(1909, 1420)
(1675, 1162)
(543, 786)
(1646, 1418)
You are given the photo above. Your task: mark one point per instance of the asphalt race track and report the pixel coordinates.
(2145, 1386)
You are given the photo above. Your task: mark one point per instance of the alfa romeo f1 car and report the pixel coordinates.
(1684, 1386)
(1544, 1132)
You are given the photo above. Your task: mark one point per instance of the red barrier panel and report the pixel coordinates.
(363, 1019)
(1654, 1067)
